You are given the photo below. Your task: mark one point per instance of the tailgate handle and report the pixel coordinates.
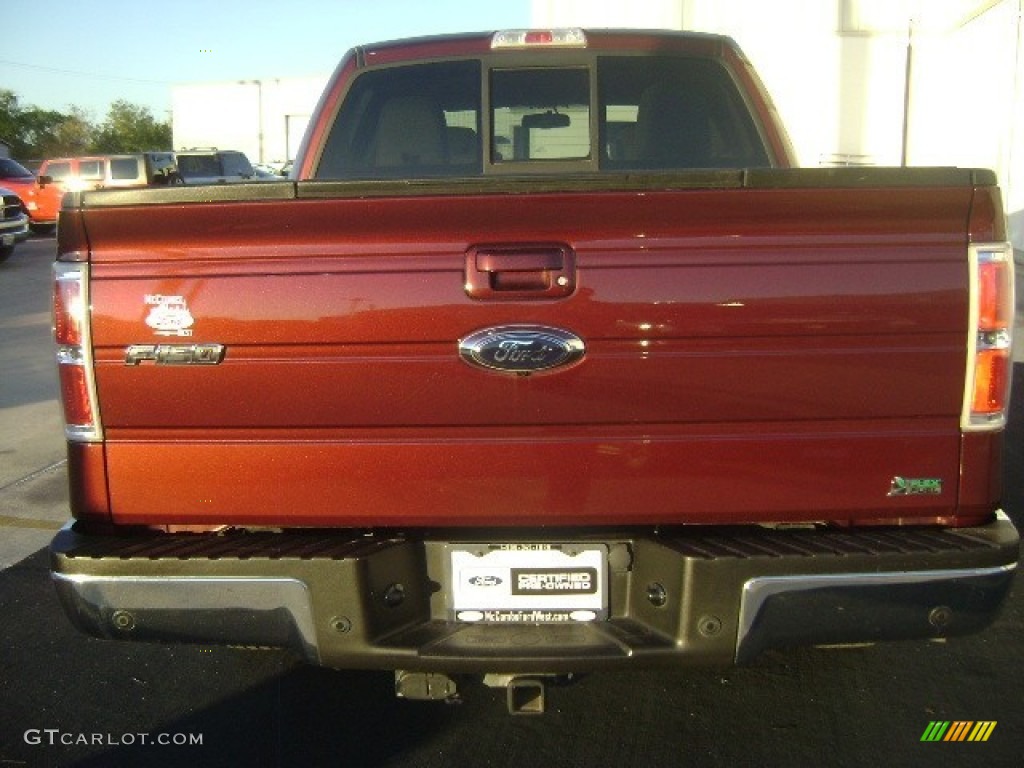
(520, 271)
(518, 261)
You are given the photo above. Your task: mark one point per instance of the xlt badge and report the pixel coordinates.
(521, 349)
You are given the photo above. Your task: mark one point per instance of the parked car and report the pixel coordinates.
(22, 182)
(13, 222)
(102, 171)
(215, 166)
(75, 174)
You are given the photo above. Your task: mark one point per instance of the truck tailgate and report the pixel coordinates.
(751, 355)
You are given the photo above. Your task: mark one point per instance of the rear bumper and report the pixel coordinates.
(346, 600)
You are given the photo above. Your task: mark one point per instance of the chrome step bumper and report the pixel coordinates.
(346, 600)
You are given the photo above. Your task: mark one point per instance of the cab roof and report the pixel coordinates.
(496, 42)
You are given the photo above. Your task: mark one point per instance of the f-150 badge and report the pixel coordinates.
(174, 354)
(521, 349)
(169, 315)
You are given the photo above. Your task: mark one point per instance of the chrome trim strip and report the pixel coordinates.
(180, 608)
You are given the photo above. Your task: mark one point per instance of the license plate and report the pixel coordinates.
(528, 583)
(8, 240)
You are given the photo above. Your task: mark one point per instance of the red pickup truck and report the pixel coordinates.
(547, 360)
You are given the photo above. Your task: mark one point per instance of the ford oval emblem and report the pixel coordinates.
(521, 349)
(485, 580)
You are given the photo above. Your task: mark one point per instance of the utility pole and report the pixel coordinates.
(908, 74)
(259, 106)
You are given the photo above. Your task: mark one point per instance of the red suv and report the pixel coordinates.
(41, 202)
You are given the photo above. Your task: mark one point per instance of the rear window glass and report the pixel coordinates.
(540, 114)
(653, 112)
(671, 112)
(416, 121)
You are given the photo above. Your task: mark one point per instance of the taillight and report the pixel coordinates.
(990, 336)
(74, 352)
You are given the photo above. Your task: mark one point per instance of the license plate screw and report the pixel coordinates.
(657, 594)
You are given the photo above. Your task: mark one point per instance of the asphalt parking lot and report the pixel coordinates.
(66, 699)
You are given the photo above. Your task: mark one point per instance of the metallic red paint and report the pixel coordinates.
(820, 329)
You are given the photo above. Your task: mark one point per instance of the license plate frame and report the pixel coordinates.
(527, 583)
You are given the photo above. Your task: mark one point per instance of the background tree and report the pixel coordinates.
(35, 134)
(12, 128)
(8, 115)
(76, 133)
(40, 131)
(131, 128)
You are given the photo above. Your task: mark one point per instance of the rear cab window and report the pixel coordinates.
(540, 114)
(421, 120)
(575, 111)
(673, 112)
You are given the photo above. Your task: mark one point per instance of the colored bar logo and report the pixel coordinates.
(958, 730)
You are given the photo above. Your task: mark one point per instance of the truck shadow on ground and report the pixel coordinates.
(305, 717)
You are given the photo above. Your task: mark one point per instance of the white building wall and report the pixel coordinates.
(263, 118)
(222, 115)
(837, 70)
(968, 100)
